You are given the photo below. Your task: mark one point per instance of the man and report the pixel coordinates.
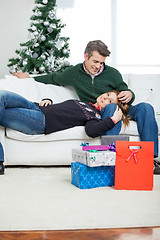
(92, 78)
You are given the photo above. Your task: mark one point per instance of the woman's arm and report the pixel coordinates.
(95, 127)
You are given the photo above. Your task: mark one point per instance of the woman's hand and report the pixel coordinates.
(45, 103)
(117, 116)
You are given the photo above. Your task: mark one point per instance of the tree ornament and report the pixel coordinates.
(34, 71)
(41, 69)
(43, 38)
(51, 41)
(53, 25)
(36, 44)
(28, 52)
(34, 28)
(35, 33)
(65, 51)
(35, 55)
(24, 62)
(59, 44)
(51, 59)
(66, 63)
(39, 14)
(51, 14)
(43, 56)
(46, 23)
(45, 1)
(50, 30)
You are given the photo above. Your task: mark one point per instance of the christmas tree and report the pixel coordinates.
(46, 51)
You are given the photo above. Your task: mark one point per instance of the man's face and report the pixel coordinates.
(94, 63)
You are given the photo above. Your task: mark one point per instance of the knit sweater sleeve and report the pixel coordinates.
(95, 128)
(57, 78)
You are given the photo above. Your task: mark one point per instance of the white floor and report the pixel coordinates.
(44, 199)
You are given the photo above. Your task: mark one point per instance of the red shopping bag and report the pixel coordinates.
(134, 165)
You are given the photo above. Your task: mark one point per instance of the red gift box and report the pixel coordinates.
(134, 165)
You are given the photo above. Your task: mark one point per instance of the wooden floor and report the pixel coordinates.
(100, 234)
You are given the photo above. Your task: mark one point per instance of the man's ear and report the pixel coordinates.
(86, 56)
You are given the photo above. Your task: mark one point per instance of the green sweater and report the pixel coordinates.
(88, 89)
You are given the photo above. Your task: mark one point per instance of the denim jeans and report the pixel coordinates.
(143, 114)
(19, 114)
(108, 111)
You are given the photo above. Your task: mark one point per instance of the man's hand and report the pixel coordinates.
(45, 103)
(21, 75)
(125, 96)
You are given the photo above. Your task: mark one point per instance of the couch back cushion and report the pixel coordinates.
(35, 91)
(146, 88)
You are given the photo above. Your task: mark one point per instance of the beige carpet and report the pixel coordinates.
(44, 199)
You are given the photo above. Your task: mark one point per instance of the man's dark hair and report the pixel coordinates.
(98, 46)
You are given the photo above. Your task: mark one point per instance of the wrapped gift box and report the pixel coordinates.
(109, 139)
(94, 159)
(85, 177)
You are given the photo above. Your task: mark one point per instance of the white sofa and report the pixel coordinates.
(55, 148)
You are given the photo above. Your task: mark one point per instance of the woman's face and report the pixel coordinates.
(107, 98)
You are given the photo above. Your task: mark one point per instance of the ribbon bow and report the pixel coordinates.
(112, 147)
(84, 144)
(133, 153)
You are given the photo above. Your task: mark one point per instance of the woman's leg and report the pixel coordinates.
(12, 100)
(20, 114)
(28, 121)
(108, 111)
(1, 160)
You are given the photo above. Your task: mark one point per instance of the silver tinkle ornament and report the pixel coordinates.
(41, 69)
(43, 38)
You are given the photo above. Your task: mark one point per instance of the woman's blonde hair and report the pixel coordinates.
(125, 108)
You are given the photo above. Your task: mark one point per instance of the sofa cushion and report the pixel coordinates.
(35, 91)
(70, 134)
(146, 88)
(74, 133)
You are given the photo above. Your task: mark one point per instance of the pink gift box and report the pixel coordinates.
(96, 147)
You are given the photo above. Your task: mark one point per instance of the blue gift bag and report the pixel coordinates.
(85, 177)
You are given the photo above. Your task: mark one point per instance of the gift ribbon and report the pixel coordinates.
(93, 151)
(133, 153)
(84, 144)
(112, 147)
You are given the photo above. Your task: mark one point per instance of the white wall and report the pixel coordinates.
(85, 20)
(14, 22)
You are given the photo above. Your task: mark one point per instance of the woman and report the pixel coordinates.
(28, 117)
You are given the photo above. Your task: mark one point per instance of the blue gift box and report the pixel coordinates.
(85, 177)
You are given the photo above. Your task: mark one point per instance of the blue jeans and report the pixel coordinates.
(19, 114)
(108, 111)
(143, 114)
